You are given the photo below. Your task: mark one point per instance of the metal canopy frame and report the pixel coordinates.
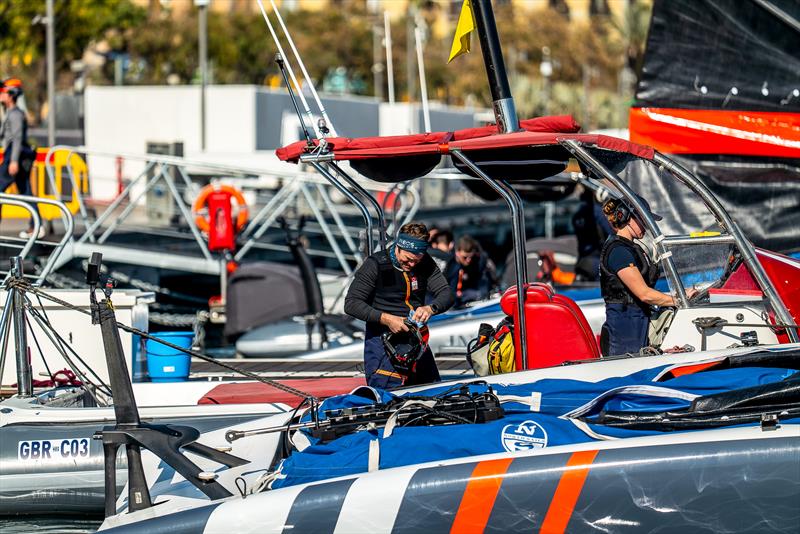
(578, 148)
(514, 201)
(663, 242)
(744, 245)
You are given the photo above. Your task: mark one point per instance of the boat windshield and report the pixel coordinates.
(688, 240)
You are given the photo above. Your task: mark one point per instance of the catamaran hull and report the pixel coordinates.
(730, 480)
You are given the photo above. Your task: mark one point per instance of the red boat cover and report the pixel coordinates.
(346, 148)
(259, 392)
(519, 139)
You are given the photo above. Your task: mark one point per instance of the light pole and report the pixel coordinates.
(202, 32)
(51, 75)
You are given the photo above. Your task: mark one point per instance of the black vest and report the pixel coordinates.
(397, 292)
(611, 287)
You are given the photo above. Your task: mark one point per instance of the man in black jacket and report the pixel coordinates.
(388, 288)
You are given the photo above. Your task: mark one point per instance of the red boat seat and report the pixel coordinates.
(556, 329)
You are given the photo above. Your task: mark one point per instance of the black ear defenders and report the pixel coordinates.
(622, 214)
(618, 212)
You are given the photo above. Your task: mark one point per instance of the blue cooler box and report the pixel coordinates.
(165, 364)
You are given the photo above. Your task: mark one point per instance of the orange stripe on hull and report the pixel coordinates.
(567, 493)
(478, 500)
(703, 131)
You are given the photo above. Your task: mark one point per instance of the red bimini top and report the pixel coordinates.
(405, 157)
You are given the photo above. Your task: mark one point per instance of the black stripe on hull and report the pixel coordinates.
(432, 499)
(316, 508)
(732, 486)
(192, 521)
(525, 493)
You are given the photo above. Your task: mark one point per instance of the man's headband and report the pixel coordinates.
(411, 244)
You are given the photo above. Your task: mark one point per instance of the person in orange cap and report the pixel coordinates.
(18, 156)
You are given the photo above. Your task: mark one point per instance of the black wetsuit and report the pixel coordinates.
(380, 287)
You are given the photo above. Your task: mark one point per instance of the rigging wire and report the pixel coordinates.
(328, 122)
(306, 107)
(44, 321)
(59, 343)
(26, 286)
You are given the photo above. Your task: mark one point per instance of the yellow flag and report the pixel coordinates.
(465, 26)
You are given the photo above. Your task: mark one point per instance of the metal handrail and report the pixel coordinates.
(581, 153)
(745, 246)
(27, 202)
(296, 184)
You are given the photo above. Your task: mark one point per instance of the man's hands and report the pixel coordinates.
(394, 323)
(422, 314)
(691, 293)
(13, 168)
(397, 324)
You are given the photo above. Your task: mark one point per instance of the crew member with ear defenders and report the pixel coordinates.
(388, 293)
(627, 277)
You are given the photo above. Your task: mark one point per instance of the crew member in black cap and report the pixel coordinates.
(627, 277)
(387, 291)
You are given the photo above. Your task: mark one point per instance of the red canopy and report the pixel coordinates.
(346, 148)
(519, 139)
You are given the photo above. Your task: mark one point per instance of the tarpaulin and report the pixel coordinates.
(534, 418)
(722, 55)
(720, 87)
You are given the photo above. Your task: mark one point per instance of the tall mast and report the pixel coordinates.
(503, 103)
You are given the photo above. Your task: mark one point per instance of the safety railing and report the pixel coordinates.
(293, 192)
(51, 250)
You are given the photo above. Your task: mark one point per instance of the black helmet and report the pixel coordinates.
(405, 348)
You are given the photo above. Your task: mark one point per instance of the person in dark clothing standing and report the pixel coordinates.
(591, 230)
(470, 272)
(18, 156)
(388, 288)
(441, 249)
(627, 277)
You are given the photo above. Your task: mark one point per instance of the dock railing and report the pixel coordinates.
(168, 181)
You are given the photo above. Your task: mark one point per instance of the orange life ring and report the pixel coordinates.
(200, 204)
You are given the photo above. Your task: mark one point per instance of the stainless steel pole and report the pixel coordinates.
(423, 84)
(203, 50)
(387, 31)
(514, 202)
(24, 375)
(51, 75)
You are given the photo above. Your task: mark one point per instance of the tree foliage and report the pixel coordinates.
(78, 23)
(158, 48)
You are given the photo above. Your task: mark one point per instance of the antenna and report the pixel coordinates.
(324, 113)
(306, 108)
(282, 65)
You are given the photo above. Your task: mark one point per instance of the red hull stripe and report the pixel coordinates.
(567, 493)
(701, 131)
